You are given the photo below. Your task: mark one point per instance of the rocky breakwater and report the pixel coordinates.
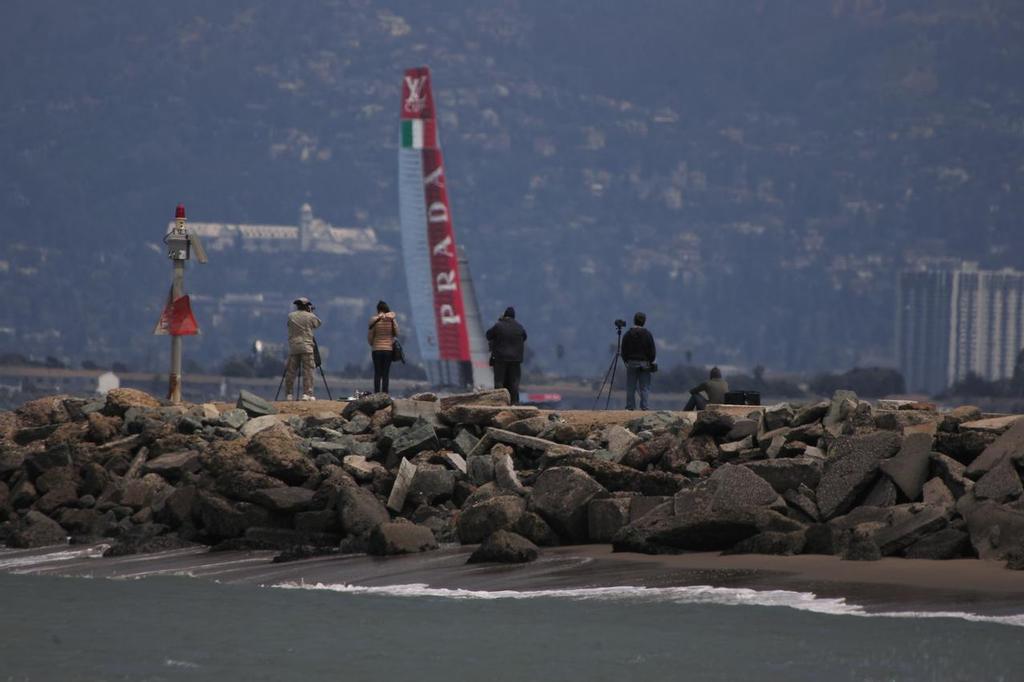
(390, 476)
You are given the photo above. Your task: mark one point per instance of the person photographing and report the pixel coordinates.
(381, 336)
(301, 323)
(638, 354)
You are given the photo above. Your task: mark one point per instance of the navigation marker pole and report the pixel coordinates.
(177, 319)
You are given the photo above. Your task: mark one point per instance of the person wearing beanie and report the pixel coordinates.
(710, 392)
(381, 336)
(507, 340)
(638, 354)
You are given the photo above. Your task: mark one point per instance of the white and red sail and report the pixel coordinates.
(446, 319)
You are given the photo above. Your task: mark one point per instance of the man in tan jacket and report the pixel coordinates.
(301, 323)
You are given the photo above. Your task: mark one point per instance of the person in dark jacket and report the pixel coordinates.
(711, 392)
(507, 340)
(638, 354)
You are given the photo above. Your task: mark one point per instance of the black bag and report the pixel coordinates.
(397, 353)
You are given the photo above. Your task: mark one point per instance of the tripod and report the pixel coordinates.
(316, 362)
(609, 376)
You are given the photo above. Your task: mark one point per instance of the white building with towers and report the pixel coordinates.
(954, 320)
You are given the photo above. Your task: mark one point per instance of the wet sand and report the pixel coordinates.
(887, 585)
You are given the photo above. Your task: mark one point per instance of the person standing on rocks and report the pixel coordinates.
(381, 337)
(507, 340)
(301, 323)
(638, 354)
(710, 392)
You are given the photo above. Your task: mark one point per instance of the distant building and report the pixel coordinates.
(311, 234)
(955, 320)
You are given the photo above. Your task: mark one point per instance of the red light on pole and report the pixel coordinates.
(179, 213)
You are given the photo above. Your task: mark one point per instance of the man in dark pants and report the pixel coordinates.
(638, 353)
(507, 339)
(711, 391)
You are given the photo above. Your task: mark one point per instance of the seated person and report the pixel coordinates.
(709, 392)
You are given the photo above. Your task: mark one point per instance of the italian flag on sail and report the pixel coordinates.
(418, 133)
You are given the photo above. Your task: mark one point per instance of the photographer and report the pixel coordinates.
(638, 354)
(301, 323)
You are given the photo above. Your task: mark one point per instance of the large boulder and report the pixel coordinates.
(506, 548)
(606, 516)
(400, 538)
(483, 518)
(851, 468)
(120, 400)
(618, 477)
(1010, 445)
(905, 532)
(414, 439)
(57, 456)
(737, 487)
(277, 450)
(1000, 484)
(174, 465)
(909, 468)
(997, 531)
(561, 495)
(359, 510)
(433, 483)
(37, 530)
(367, 404)
(948, 543)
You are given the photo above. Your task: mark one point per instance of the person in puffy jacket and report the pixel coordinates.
(381, 336)
(507, 340)
(301, 323)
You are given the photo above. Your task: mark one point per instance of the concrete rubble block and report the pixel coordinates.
(536, 530)
(737, 487)
(697, 469)
(741, 429)
(640, 505)
(454, 461)
(771, 542)
(850, 469)
(620, 478)
(36, 529)
(777, 417)
(808, 414)
(289, 499)
(841, 408)
(367, 404)
(997, 531)
(259, 423)
(801, 499)
(897, 537)
(790, 472)
(532, 426)
(232, 419)
(253, 405)
(119, 400)
(948, 543)
(531, 443)
(1001, 484)
(606, 516)
(415, 439)
(403, 481)
(936, 494)
(731, 449)
(714, 423)
(483, 415)
(505, 470)
(909, 468)
(393, 538)
(277, 450)
(480, 469)
(407, 412)
(498, 397)
(360, 468)
(1008, 445)
(995, 425)
(174, 465)
(561, 495)
(620, 440)
(964, 446)
(359, 423)
(433, 483)
(478, 521)
(952, 474)
(506, 548)
(882, 494)
(465, 442)
(57, 456)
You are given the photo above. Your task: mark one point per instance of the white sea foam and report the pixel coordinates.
(92, 552)
(693, 594)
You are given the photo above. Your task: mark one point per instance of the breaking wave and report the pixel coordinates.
(694, 594)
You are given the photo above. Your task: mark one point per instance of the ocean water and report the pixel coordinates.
(174, 627)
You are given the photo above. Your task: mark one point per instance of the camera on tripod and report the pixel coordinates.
(619, 324)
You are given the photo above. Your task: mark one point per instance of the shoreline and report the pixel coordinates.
(890, 585)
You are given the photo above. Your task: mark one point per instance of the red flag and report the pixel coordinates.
(177, 318)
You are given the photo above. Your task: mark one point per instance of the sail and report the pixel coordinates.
(429, 251)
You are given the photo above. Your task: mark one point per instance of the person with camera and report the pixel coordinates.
(381, 336)
(301, 323)
(507, 340)
(638, 354)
